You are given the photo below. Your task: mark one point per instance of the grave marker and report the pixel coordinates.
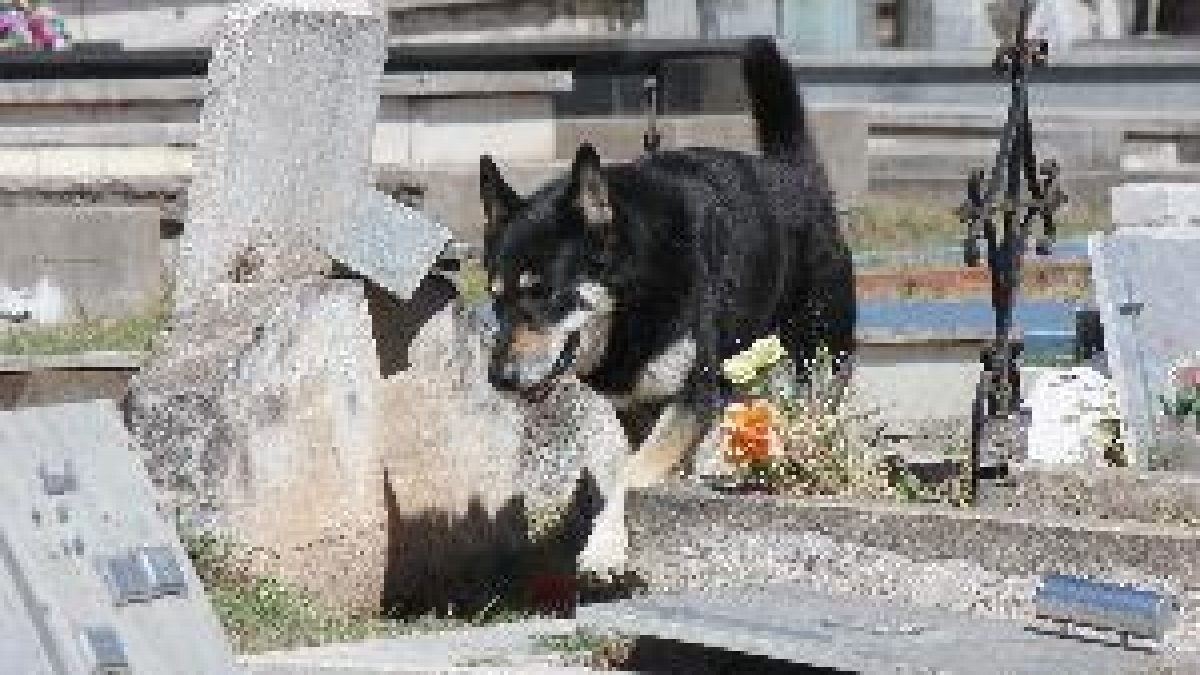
(1146, 281)
(92, 572)
(283, 150)
(389, 242)
(260, 403)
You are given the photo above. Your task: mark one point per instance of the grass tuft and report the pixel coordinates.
(901, 224)
(261, 613)
(133, 333)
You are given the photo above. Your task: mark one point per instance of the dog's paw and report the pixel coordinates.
(604, 565)
(597, 578)
(605, 554)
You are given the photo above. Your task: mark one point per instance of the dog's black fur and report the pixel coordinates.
(721, 246)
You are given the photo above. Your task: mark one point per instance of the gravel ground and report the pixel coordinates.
(822, 564)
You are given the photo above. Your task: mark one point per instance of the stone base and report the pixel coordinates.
(466, 467)
(257, 407)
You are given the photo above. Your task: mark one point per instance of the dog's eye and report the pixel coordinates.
(497, 287)
(528, 281)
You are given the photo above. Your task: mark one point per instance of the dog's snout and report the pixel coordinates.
(504, 376)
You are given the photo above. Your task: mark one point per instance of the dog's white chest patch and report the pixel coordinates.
(667, 372)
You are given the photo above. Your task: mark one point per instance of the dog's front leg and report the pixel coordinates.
(678, 430)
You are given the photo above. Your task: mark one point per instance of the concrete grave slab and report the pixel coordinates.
(76, 511)
(1097, 492)
(1145, 281)
(684, 537)
(866, 636)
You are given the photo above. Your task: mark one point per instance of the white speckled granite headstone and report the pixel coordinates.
(284, 144)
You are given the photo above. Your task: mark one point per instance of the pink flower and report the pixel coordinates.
(11, 21)
(42, 28)
(1188, 376)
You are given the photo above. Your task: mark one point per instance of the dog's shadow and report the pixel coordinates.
(478, 562)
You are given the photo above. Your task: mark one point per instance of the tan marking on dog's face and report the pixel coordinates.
(527, 343)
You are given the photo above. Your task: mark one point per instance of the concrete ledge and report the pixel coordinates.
(667, 524)
(958, 119)
(451, 83)
(126, 183)
(77, 92)
(1100, 493)
(133, 133)
(1099, 58)
(20, 363)
(445, 83)
(496, 649)
(870, 337)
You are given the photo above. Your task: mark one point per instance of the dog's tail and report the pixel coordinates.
(774, 101)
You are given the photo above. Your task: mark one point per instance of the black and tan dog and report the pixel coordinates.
(641, 278)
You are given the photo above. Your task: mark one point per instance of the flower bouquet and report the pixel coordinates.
(1179, 430)
(792, 432)
(1182, 400)
(30, 24)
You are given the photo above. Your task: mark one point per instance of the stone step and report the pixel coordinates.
(794, 625)
(502, 648)
(351, 669)
(396, 669)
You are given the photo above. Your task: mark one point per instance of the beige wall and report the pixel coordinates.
(156, 24)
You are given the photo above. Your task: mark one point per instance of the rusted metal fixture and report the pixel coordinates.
(1004, 208)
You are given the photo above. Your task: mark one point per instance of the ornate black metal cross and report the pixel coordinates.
(1020, 193)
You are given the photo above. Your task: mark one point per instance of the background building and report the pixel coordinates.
(901, 99)
(804, 26)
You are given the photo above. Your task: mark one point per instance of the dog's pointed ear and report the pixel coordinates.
(499, 200)
(589, 188)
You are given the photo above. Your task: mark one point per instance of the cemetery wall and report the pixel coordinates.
(63, 265)
(909, 127)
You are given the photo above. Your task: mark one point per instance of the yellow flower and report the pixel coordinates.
(739, 369)
(767, 351)
(745, 366)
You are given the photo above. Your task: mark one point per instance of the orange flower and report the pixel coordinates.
(747, 428)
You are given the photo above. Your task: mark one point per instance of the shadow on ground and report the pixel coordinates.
(477, 562)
